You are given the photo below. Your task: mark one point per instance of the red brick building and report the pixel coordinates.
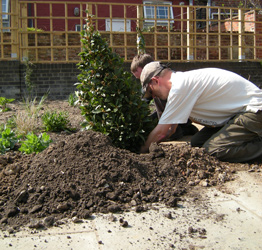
(74, 10)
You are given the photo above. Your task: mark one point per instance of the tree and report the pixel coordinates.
(110, 99)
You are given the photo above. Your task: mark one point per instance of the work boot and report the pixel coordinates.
(188, 128)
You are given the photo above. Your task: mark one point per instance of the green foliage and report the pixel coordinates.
(55, 122)
(3, 103)
(34, 29)
(10, 123)
(35, 143)
(140, 42)
(30, 85)
(72, 99)
(109, 97)
(8, 140)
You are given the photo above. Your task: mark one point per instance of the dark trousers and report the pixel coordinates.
(239, 140)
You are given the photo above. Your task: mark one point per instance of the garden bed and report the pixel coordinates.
(83, 173)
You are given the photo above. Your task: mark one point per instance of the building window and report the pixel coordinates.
(159, 10)
(78, 27)
(5, 9)
(118, 25)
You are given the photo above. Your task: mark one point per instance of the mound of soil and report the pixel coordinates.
(83, 173)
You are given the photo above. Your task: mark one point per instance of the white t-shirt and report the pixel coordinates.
(209, 96)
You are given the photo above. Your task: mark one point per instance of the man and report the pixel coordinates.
(137, 65)
(228, 105)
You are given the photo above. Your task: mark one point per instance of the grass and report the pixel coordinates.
(26, 123)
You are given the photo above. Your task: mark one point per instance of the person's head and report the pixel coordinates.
(152, 77)
(138, 63)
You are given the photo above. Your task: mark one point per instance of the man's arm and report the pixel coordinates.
(158, 134)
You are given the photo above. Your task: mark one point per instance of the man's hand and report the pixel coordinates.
(144, 150)
(158, 134)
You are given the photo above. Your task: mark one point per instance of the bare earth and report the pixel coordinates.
(83, 173)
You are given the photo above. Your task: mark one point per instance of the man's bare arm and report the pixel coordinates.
(158, 134)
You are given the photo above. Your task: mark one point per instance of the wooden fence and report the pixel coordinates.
(186, 33)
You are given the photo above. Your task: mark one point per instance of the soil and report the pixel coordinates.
(83, 173)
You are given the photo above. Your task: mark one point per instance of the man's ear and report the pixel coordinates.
(156, 79)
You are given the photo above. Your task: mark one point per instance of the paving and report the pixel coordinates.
(228, 217)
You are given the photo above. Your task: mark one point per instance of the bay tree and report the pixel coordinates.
(110, 97)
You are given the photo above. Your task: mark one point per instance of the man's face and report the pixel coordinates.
(137, 73)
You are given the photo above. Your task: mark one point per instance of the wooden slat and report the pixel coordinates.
(241, 42)
(190, 35)
(14, 32)
(24, 37)
(51, 31)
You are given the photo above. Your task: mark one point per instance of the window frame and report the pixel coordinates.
(78, 27)
(160, 21)
(119, 20)
(5, 9)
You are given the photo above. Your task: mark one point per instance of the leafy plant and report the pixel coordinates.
(10, 123)
(72, 99)
(35, 143)
(3, 103)
(140, 42)
(30, 85)
(55, 122)
(8, 140)
(34, 29)
(110, 99)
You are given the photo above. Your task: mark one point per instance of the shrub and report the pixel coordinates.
(109, 97)
(10, 123)
(34, 143)
(8, 140)
(72, 100)
(55, 122)
(3, 104)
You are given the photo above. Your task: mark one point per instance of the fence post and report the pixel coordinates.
(190, 36)
(14, 30)
(139, 16)
(89, 8)
(258, 34)
(140, 42)
(241, 37)
(24, 35)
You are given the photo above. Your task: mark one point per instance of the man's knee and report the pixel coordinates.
(196, 141)
(235, 152)
(203, 135)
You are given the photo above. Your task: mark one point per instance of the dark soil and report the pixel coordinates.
(83, 173)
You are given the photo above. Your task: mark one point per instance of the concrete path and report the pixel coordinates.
(230, 218)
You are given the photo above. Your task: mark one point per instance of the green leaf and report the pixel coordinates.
(35, 143)
(8, 140)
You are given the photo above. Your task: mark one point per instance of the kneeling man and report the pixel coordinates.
(228, 105)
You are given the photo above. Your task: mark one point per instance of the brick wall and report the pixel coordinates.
(59, 79)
